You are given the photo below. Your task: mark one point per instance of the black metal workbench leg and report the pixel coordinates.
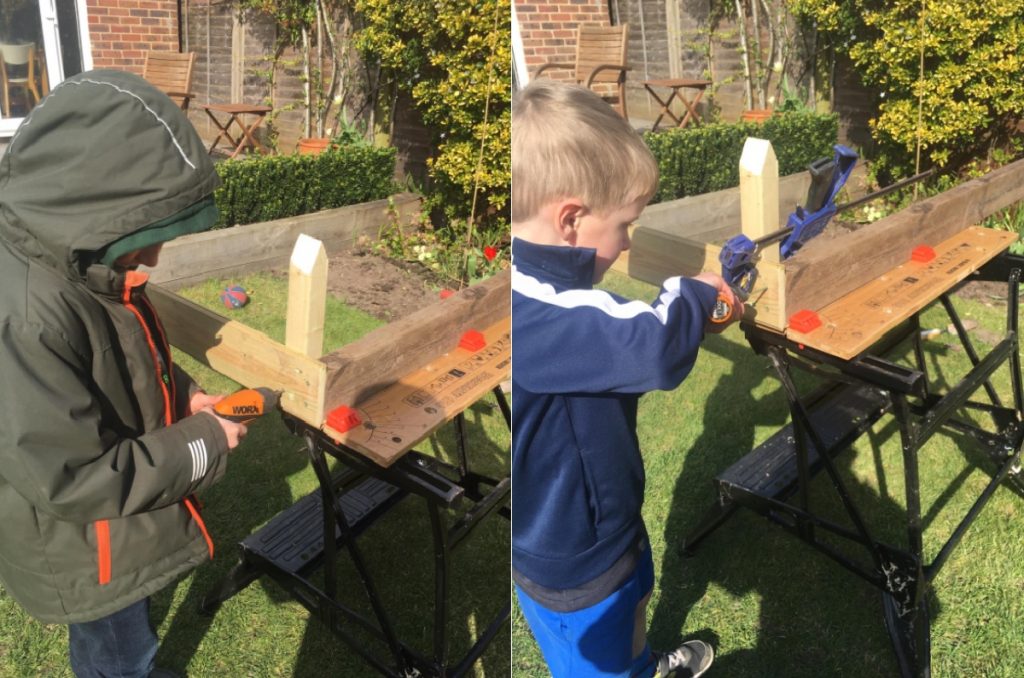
(499, 395)
(334, 520)
(1012, 322)
(905, 602)
(442, 567)
(460, 443)
(777, 356)
(330, 527)
(965, 341)
(911, 635)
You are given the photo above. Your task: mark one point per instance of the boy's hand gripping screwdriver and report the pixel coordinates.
(247, 404)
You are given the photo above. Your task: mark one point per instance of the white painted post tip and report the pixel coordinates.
(758, 155)
(306, 253)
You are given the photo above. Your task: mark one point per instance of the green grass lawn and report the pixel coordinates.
(261, 631)
(773, 606)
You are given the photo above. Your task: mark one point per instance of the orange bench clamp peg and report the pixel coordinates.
(804, 321)
(472, 341)
(343, 419)
(922, 254)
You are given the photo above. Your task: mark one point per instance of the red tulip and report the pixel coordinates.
(490, 253)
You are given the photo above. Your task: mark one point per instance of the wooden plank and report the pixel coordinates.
(395, 419)
(853, 323)
(712, 217)
(246, 355)
(307, 297)
(386, 355)
(656, 255)
(258, 247)
(838, 262)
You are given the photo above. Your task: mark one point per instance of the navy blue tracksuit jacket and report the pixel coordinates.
(583, 357)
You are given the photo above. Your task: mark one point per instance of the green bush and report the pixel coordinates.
(278, 186)
(454, 59)
(699, 160)
(970, 89)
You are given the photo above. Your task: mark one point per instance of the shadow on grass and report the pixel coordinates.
(815, 618)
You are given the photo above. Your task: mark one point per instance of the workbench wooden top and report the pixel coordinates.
(853, 323)
(395, 419)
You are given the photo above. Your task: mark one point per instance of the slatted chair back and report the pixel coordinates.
(171, 73)
(600, 61)
(597, 46)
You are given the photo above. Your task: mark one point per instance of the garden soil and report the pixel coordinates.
(384, 288)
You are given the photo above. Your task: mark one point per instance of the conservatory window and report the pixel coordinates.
(41, 43)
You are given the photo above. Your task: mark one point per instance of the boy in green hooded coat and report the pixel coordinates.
(103, 439)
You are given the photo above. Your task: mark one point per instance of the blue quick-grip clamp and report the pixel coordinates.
(810, 220)
(740, 254)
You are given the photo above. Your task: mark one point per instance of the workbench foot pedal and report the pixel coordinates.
(293, 540)
(770, 470)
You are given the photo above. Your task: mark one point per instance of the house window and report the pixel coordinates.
(520, 76)
(42, 42)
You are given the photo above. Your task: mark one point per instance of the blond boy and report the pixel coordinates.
(580, 555)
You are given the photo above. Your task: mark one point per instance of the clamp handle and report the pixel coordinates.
(739, 264)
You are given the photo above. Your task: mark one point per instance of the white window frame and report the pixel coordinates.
(51, 48)
(518, 56)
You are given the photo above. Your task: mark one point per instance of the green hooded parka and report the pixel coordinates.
(98, 458)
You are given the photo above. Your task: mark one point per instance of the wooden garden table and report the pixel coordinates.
(677, 85)
(236, 116)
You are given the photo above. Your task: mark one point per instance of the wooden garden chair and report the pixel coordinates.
(171, 73)
(24, 56)
(600, 60)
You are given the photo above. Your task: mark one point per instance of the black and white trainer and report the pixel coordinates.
(689, 660)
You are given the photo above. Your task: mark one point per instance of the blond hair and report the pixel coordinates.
(567, 142)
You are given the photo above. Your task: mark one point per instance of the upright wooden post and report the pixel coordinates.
(307, 295)
(759, 193)
(759, 215)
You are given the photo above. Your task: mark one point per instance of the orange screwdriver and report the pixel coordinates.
(247, 404)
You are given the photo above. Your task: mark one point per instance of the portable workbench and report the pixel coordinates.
(851, 394)
(367, 405)
(837, 311)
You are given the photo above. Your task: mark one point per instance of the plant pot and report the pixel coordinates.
(757, 115)
(313, 146)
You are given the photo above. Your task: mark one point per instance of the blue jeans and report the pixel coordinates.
(120, 645)
(597, 640)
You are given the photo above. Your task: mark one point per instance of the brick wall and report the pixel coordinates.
(548, 29)
(122, 31)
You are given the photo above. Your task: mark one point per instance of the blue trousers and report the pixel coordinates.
(120, 645)
(597, 640)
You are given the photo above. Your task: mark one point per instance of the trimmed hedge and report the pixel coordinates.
(704, 159)
(264, 188)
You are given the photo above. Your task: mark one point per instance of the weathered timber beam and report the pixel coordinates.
(837, 263)
(262, 246)
(382, 357)
(662, 255)
(657, 255)
(710, 217)
(243, 354)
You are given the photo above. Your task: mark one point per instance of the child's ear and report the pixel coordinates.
(568, 214)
